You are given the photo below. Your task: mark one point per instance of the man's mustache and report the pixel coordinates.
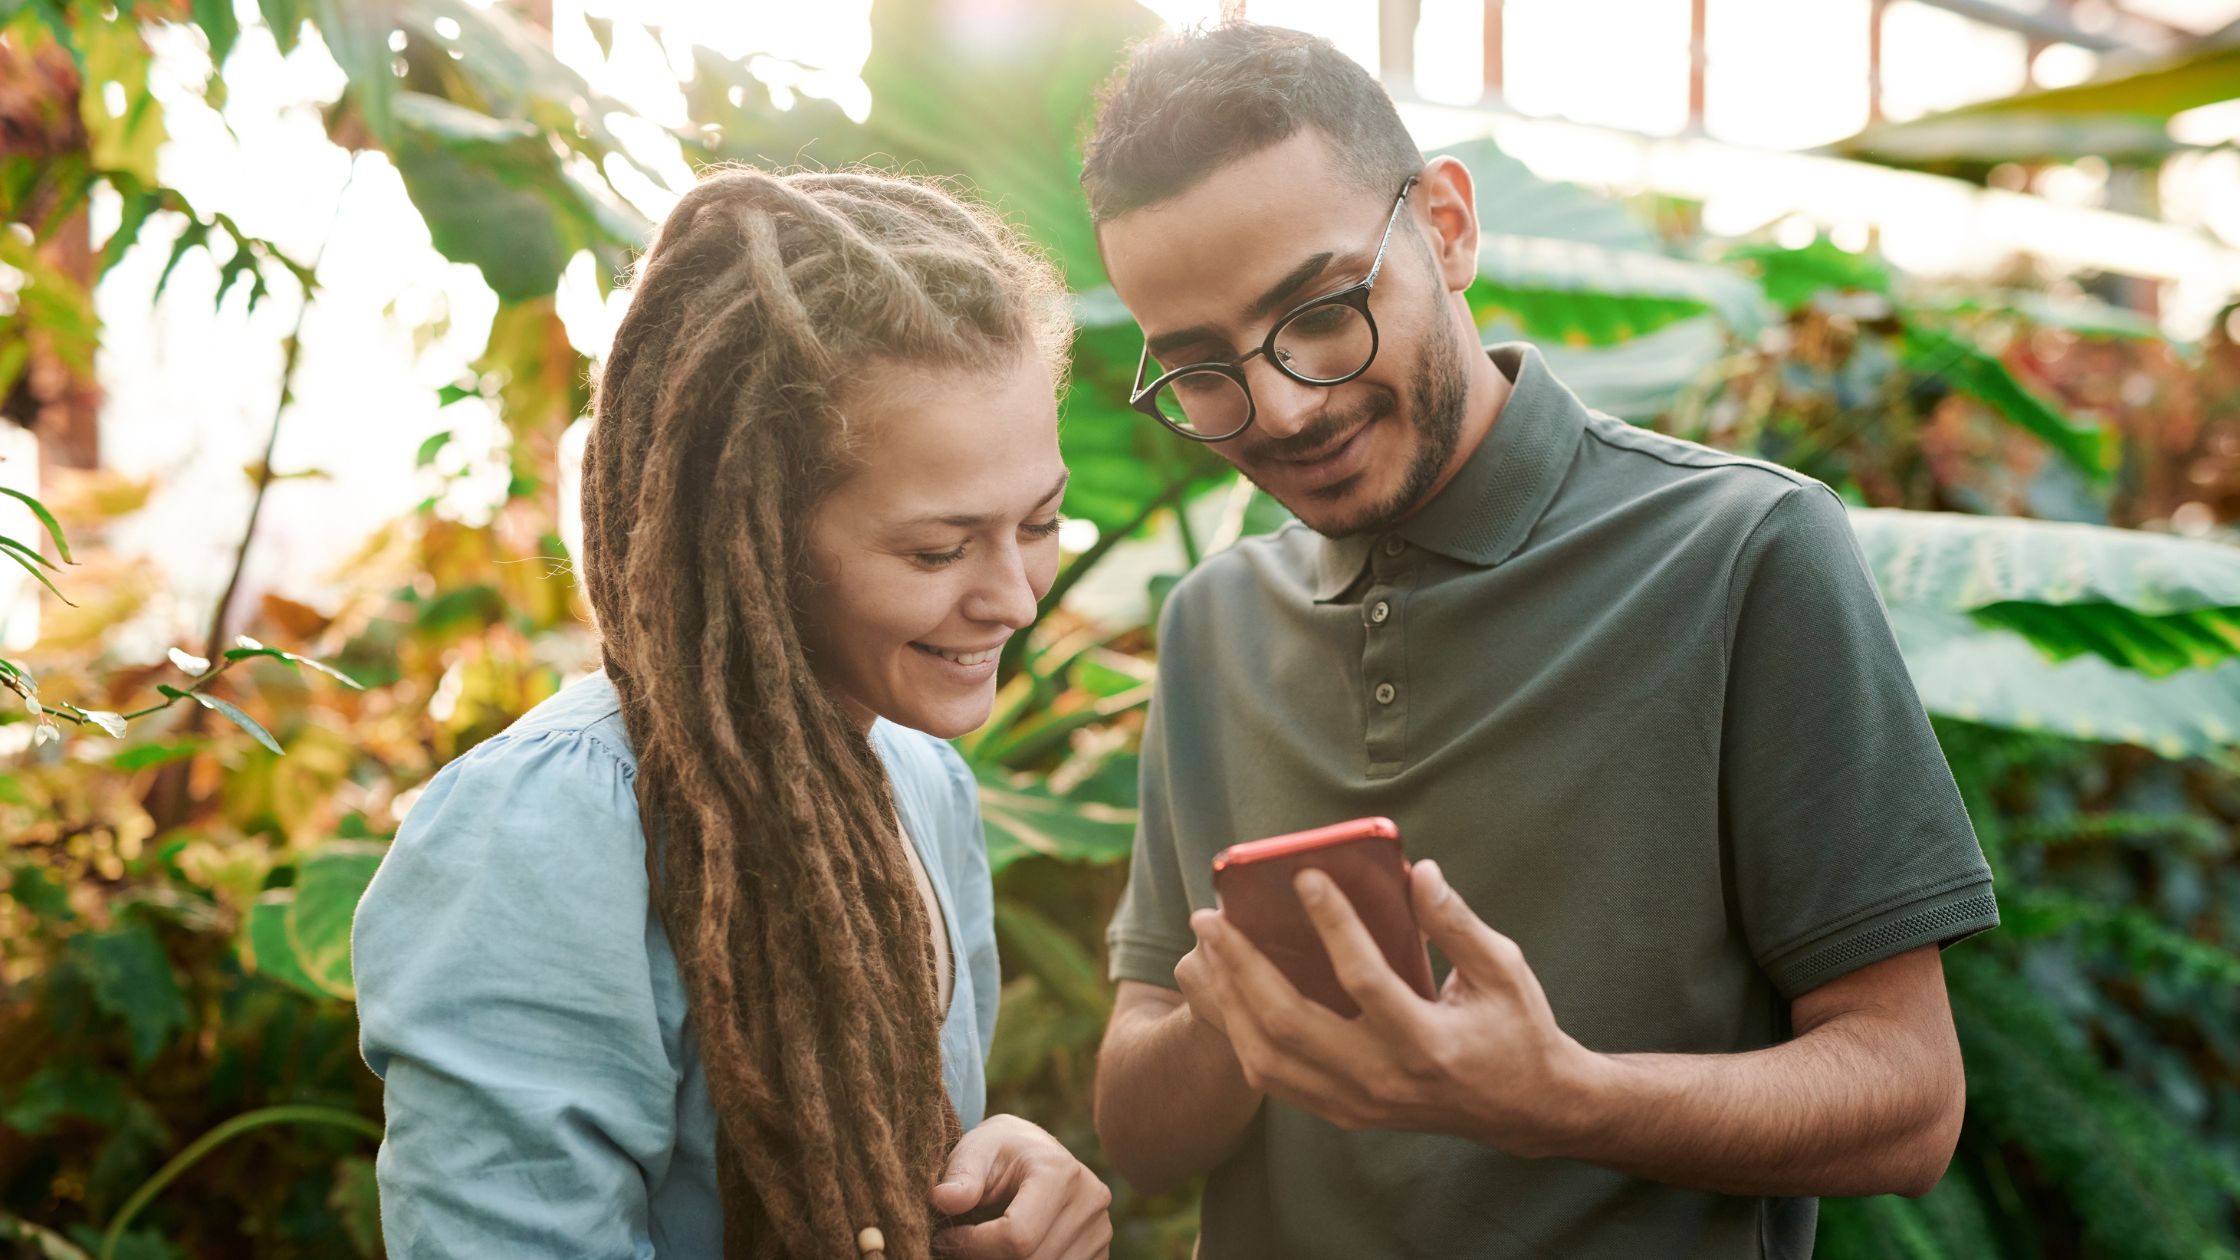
(1325, 429)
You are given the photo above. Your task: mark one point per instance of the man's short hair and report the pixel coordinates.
(1191, 101)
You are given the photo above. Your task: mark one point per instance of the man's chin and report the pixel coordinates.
(1341, 510)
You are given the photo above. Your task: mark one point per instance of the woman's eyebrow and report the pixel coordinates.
(975, 520)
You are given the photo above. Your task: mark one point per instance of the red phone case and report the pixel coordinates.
(1252, 883)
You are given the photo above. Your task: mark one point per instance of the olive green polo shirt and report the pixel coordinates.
(1641, 701)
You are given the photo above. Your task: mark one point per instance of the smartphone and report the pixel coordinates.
(1252, 884)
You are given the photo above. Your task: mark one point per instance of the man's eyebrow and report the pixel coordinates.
(981, 519)
(1266, 304)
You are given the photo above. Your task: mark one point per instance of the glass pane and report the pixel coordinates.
(1209, 404)
(1325, 343)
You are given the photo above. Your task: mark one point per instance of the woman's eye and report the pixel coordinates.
(1043, 529)
(937, 559)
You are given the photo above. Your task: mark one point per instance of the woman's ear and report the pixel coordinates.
(1447, 209)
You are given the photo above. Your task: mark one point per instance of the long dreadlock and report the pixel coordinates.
(722, 421)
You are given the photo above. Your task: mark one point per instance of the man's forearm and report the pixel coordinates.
(1856, 1106)
(1171, 1102)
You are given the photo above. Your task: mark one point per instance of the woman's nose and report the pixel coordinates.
(1004, 594)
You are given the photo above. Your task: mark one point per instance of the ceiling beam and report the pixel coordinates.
(2040, 25)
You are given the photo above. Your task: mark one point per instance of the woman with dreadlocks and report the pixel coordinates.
(696, 958)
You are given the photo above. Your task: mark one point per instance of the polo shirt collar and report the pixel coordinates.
(1484, 514)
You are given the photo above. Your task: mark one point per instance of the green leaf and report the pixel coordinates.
(44, 1243)
(2139, 1183)
(602, 33)
(284, 18)
(327, 889)
(1791, 278)
(219, 26)
(1026, 819)
(2152, 602)
(356, 1199)
(1966, 671)
(1514, 200)
(115, 54)
(1032, 942)
(46, 518)
(24, 556)
(266, 948)
(30, 555)
(1582, 294)
(427, 452)
(147, 756)
(1639, 379)
(1934, 352)
(131, 979)
(227, 709)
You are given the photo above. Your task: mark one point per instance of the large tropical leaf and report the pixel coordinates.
(1966, 671)
(1638, 380)
(1938, 353)
(1573, 267)
(1002, 110)
(2118, 117)
(1513, 201)
(1582, 294)
(2147, 602)
(317, 919)
(1023, 819)
(1792, 278)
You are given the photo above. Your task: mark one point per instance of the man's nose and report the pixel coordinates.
(1282, 407)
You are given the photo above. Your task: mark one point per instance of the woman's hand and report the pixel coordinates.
(1030, 1198)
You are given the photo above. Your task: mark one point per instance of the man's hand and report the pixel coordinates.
(1052, 1208)
(1485, 1060)
(1194, 976)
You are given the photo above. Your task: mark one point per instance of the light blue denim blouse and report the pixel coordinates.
(518, 997)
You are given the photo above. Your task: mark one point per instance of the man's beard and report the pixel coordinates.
(1436, 400)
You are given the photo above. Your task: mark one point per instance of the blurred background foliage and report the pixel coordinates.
(185, 837)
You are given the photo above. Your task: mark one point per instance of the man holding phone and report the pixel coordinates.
(1682, 831)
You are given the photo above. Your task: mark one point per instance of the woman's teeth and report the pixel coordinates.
(961, 658)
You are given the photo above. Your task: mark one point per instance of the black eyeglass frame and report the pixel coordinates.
(1145, 398)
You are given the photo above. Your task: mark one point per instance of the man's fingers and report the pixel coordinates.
(1282, 1038)
(1362, 968)
(1477, 951)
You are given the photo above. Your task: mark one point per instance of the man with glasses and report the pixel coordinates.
(1682, 831)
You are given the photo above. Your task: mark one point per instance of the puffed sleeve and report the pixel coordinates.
(505, 999)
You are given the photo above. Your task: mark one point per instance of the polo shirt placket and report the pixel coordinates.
(1393, 569)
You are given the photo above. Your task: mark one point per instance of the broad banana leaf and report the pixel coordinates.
(2147, 602)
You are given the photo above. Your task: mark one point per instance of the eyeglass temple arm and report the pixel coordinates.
(1389, 224)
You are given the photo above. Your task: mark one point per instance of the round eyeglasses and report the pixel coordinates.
(1325, 341)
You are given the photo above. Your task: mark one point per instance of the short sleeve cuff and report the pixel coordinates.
(1147, 961)
(1940, 918)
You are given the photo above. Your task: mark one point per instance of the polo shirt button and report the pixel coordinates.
(1385, 693)
(1394, 546)
(1378, 614)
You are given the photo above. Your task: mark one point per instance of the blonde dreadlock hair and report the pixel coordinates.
(721, 423)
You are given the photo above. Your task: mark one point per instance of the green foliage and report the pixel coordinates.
(174, 910)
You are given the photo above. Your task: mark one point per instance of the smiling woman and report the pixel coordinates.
(697, 958)
(940, 544)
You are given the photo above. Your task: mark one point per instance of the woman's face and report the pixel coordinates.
(939, 546)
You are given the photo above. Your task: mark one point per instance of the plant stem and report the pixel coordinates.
(294, 348)
(1082, 563)
(1190, 551)
(243, 1123)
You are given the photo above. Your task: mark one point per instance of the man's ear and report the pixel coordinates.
(1446, 207)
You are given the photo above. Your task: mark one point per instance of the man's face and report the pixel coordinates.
(1208, 272)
